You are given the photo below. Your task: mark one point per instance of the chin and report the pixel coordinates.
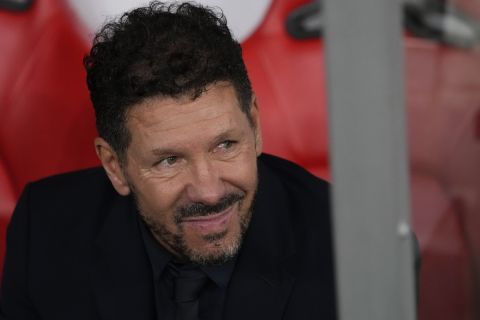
(215, 248)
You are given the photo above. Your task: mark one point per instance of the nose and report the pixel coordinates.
(206, 184)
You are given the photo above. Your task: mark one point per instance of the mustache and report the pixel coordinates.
(198, 209)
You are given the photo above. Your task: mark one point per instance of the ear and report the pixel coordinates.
(255, 114)
(112, 166)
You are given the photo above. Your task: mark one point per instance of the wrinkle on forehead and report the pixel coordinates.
(183, 111)
(176, 116)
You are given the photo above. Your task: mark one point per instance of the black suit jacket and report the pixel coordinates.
(74, 251)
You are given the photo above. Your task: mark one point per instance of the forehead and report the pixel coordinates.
(166, 119)
(162, 110)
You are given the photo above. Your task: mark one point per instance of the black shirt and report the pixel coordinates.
(212, 297)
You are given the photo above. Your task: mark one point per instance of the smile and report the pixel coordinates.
(217, 222)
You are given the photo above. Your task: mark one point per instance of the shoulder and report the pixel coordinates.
(72, 186)
(71, 180)
(68, 199)
(290, 170)
(295, 179)
(305, 197)
(302, 204)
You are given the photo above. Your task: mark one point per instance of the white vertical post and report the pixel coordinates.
(373, 244)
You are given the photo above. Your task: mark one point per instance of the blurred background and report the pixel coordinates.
(47, 122)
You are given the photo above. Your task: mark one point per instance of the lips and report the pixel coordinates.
(212, 223)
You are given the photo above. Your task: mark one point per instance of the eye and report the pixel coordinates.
(227, 144)
(168, 161)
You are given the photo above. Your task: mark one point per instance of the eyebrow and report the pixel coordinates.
(225, 135)
(159, 152)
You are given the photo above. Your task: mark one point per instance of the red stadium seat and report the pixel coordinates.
(7, 203)
(445, 275)
(288, 76)
(47, 122)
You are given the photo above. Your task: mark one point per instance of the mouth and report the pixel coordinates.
(211, 223)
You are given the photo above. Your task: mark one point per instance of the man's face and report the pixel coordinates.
(191, 166)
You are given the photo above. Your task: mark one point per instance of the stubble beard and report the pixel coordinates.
(225, 249)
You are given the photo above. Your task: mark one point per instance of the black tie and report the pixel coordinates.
(188, 281)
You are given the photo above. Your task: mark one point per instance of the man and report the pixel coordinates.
(187, 219)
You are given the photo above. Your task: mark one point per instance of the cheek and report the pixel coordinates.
(158, 202)
(246, 172)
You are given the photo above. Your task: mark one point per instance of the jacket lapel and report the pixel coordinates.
(262, 281)
(121, 278)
